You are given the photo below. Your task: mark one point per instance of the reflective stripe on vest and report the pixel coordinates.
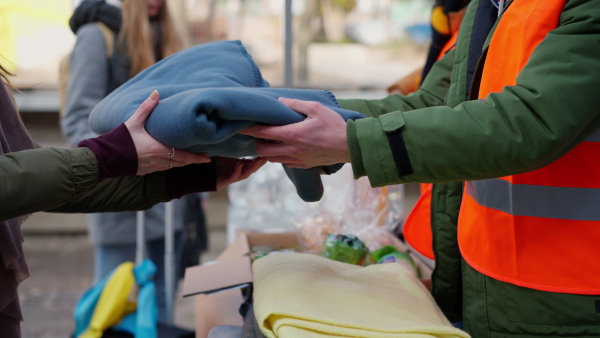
(539, 229)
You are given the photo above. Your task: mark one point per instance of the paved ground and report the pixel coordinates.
(61, 270)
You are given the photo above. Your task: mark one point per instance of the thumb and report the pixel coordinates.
(141, 114)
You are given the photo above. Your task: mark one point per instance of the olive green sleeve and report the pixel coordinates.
(553, 106)
(432, 93)
(51, 179)
(354, 148)
(120, 194)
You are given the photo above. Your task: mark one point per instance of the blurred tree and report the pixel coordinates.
(346, 5)
(304, 37)
(333, 21)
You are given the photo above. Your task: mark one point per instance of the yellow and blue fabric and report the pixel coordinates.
(303, 295)
(124, 300)
(208, 94)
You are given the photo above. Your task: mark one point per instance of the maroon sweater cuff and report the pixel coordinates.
(191, 178)
(115, 153)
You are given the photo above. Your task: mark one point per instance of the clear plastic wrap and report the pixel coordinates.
(267, 201)
(351, 206)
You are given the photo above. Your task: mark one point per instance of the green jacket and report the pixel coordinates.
(448, 139)
(61, 180)
(521, 129)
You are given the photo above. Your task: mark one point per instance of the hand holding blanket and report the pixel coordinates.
(208, 94)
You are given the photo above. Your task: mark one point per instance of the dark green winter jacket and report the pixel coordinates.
(61, 180)
(552, 108)
(440, 134)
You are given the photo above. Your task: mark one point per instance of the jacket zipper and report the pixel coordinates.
(476, 81)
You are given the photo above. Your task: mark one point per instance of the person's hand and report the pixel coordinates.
(231, 170)
(318, 140)
(152, 154)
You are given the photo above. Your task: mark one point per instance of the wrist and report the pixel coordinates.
(115, 153)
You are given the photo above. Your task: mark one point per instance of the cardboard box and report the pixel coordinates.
(233, 268)
(216, 285)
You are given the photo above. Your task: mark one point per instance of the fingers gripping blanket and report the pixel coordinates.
(208, 94)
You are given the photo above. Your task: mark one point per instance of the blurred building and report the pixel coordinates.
(34, 37)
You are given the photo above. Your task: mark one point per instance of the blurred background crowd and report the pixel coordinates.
(34, 36)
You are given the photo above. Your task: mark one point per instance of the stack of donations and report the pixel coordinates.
(208, 94)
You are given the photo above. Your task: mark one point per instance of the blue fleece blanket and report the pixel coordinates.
(208, 94)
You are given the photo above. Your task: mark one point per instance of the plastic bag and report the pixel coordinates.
(268, 202)
(352, 206)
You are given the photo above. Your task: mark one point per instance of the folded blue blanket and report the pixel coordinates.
(208, 94)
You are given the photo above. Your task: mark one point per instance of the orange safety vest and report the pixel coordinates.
(539, 229)
(449, 45)
(417, 227)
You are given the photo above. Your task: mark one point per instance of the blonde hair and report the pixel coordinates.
(136, 35)
(4, 74)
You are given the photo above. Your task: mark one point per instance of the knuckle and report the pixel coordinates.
(294, 134)
(294, 152)
(156, 150)
(292, 103)
(313, 105)
(259, 133)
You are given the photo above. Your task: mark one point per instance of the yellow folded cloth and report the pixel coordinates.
(303, 295)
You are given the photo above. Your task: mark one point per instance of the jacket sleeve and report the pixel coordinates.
(432, 92)
(553, 106)
(88, 83)
(50, 179)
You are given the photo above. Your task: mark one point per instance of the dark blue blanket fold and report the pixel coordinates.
(208, 94)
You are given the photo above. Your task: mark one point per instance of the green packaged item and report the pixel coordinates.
(259, 255)
(344, 248)
(384, 250)
(369, 260)
(400, 257)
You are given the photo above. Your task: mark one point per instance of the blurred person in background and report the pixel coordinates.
(125, 169)
(446, 16)
(142, 33)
